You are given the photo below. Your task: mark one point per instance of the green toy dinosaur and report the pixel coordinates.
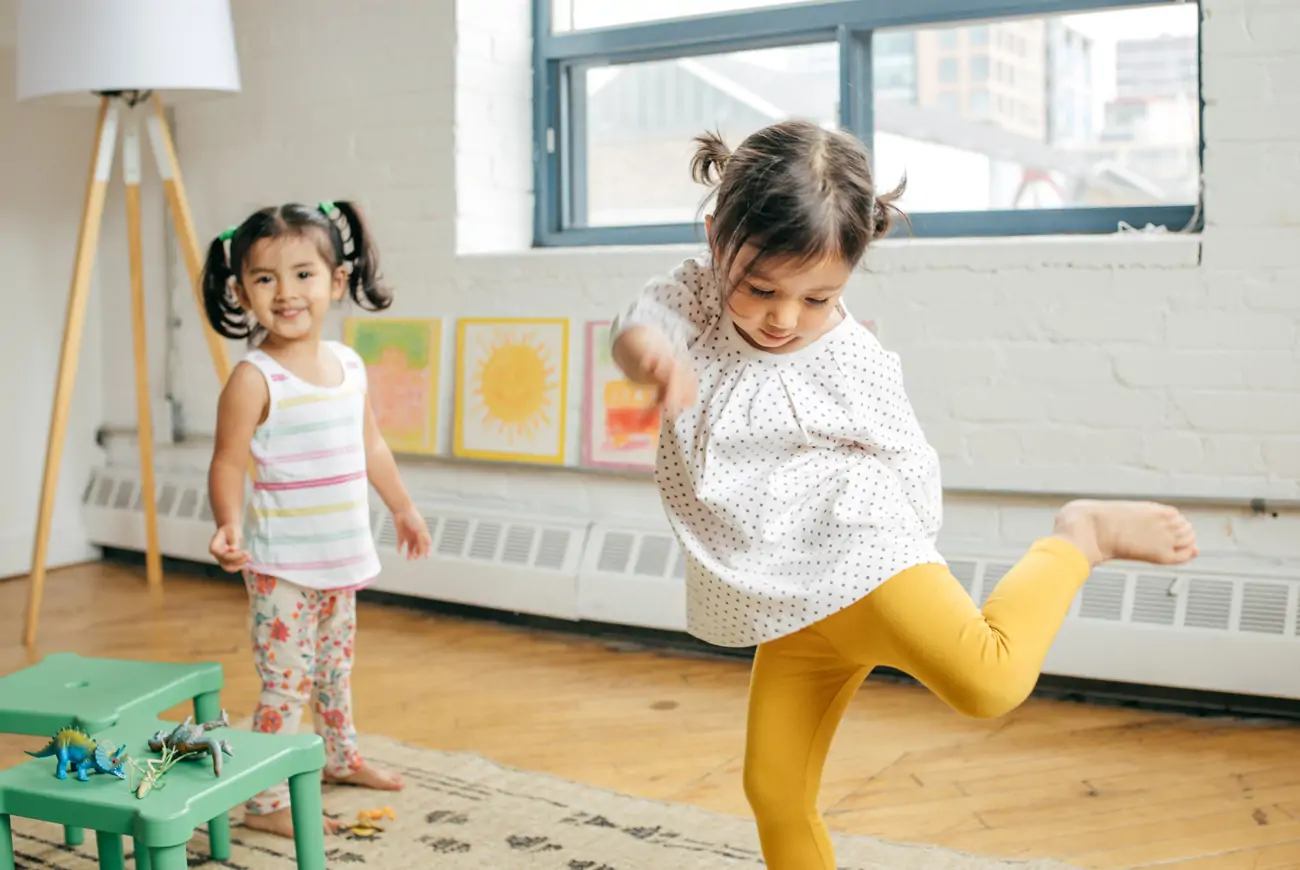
(78, 751)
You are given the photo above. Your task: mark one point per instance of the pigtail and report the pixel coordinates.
(359, 252)
(220, 303)
(710, 160)
(885, 210)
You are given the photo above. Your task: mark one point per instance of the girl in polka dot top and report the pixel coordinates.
(803, 491)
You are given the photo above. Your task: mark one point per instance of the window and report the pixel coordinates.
(571, 15)
(640, 119)
(995, 146)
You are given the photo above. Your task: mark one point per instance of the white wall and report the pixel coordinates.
(1125, 365)
(8, 23)
(45, 155)
(494, 127)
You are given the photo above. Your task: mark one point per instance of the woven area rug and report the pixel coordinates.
(462, 811)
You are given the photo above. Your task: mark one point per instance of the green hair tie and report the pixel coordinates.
(228, 234)
(326, 206)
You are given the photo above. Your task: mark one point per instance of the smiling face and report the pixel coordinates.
(288, 286)
(783, 305)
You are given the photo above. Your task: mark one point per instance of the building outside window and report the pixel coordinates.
(1090, 117)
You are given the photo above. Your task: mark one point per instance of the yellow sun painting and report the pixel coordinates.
(511, 379)
(515, 384)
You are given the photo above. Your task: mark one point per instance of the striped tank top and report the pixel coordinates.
(308, 520)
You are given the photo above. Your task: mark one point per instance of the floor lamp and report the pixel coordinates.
(131, 57)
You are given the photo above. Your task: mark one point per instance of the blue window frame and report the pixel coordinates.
(571, 67)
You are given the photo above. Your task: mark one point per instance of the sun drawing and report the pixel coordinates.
(513, 383)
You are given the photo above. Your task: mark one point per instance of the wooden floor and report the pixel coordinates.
(1097, 787)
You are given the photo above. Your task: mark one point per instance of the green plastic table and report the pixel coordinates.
(97, 693)
(163, 822)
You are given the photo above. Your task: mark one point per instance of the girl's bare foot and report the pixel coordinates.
(366, 776)
(1142, 531)
(280, 823)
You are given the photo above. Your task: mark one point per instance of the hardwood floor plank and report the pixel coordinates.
(1217, 850)
(1282, 856)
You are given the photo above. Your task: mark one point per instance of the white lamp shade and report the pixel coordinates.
(68, 50)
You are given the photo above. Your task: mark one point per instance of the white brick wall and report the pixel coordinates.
(1130, 364)
(494, 129)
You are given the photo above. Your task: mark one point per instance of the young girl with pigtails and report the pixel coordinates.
(296, 408)
(803, 491)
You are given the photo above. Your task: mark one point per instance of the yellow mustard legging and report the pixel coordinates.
(922, 622)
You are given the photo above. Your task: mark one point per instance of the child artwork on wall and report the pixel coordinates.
(620, 425)
(403, 362)
(511, 389)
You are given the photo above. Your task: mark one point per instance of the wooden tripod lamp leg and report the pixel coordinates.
(143, 412)
(169, 168)
(87, 241)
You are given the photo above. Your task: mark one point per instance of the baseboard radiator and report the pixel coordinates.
(1149, 626)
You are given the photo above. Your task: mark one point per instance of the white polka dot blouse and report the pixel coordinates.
(798, 482)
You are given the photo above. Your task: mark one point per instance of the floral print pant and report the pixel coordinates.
(303, 641)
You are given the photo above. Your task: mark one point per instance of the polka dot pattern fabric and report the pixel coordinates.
(798, 482)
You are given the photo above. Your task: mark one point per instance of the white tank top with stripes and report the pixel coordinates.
(308, 520)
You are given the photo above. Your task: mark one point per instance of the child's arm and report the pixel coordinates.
(650, 338)
(381, 469)
(889, 428)
(640, 352)
(665, 319)
(242, 406)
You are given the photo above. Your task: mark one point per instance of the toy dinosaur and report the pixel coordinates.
(78, 751)
(189, 740)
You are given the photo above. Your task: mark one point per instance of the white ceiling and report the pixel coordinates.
(7, 23)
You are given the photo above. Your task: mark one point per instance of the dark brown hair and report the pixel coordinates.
(793, 189)
(341, 236)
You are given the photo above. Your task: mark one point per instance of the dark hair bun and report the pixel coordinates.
(710, 160)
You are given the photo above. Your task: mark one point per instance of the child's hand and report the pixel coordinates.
(676, 382)
(412, 534)
(227, 549)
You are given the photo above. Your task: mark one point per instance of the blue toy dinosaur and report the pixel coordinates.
(78, 751)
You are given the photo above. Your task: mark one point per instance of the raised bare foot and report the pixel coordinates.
(1139, 530)
(280, 823)
(366, 776)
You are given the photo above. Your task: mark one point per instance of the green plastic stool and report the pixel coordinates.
(96, 694)
(164, 821)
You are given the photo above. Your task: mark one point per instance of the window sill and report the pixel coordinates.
(1133, 250)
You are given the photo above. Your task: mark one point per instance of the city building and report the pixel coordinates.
(1162, 67)
(1069, 85)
